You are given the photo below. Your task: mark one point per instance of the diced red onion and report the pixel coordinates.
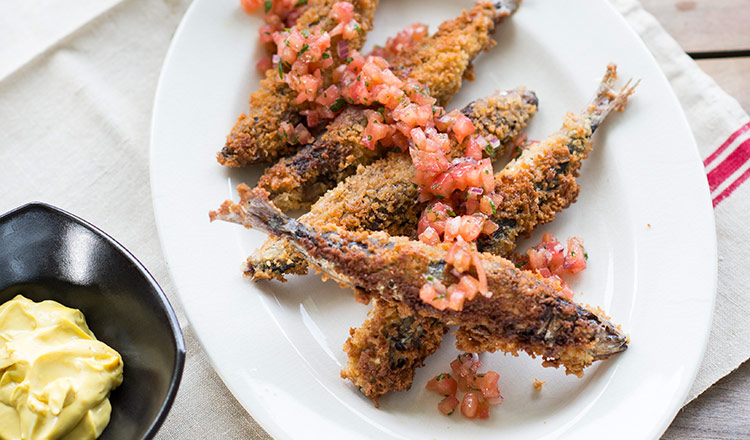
(275, 59)
(481, 141)
(343, 49)
(494, 143)
(476, 190)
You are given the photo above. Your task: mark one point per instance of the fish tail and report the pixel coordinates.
(607, 99)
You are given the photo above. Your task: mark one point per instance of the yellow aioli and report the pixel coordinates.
(55, 376)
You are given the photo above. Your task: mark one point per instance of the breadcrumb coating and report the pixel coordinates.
(254, 138)
(385, 352)
(381, 196)
(439, 62)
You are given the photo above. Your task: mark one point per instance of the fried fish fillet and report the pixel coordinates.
(439, 62)
(391, 344)
(523, 312)
(542, 157)
(546, 174)
(542, 181)
(254, 138)
(381, 196)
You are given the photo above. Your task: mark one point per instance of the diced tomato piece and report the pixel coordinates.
(429, 294)
(470, 405)
(462, 127)
(448, 405)
(443, 384)
(575, 259)
(250, 6)
(487, 385)
(430, 236)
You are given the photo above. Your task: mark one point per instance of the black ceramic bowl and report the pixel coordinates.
(47, 253)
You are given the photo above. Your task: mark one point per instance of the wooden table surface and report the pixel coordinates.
(716, 33)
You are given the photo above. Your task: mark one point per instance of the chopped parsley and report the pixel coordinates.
(450, 213)
(326, 56)
(492, 205)
(267, 5)
(337, 105)
(520, 264)
(305, 48)
(300, 3)
(349, 60)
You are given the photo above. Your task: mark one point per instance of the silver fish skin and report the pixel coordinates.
(524, 311)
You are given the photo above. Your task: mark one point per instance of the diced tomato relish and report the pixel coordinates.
(401, 114)
(404, 40)
(551, 260)
(481, 389)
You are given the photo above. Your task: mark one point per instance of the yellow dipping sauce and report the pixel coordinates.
(55, 376)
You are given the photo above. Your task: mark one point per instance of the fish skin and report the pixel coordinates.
(525, 312)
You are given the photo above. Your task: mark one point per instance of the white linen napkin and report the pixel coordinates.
(75, 108)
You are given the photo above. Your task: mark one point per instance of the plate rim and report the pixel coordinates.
(677, 401)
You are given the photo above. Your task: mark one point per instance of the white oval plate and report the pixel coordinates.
(644, 211)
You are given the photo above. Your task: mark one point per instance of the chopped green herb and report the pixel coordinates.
(586, 255)
(450, 213)
(300, 3)
(349, 60)
(357, 28)
(521, 264)
(326, 56)
(492, 205)
(489, 150)
(305, 48)
(442, 376)
(520, 152)
(281, 71)
(337, 105)
(430, 278)
(439, 197)
(415, 185)
(267, 5)
(441, 296)
(369, 138)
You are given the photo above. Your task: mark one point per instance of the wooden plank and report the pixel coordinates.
(722, 412)
(732, 74)
(704, 25)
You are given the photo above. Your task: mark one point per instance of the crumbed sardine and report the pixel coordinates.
(524, 312)
(439, 62)
(387, 349)
(542, 181)
(254, 137)
(382, 197)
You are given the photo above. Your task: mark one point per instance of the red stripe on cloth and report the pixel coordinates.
(728, 166)
(726, 143)
(730, 189)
